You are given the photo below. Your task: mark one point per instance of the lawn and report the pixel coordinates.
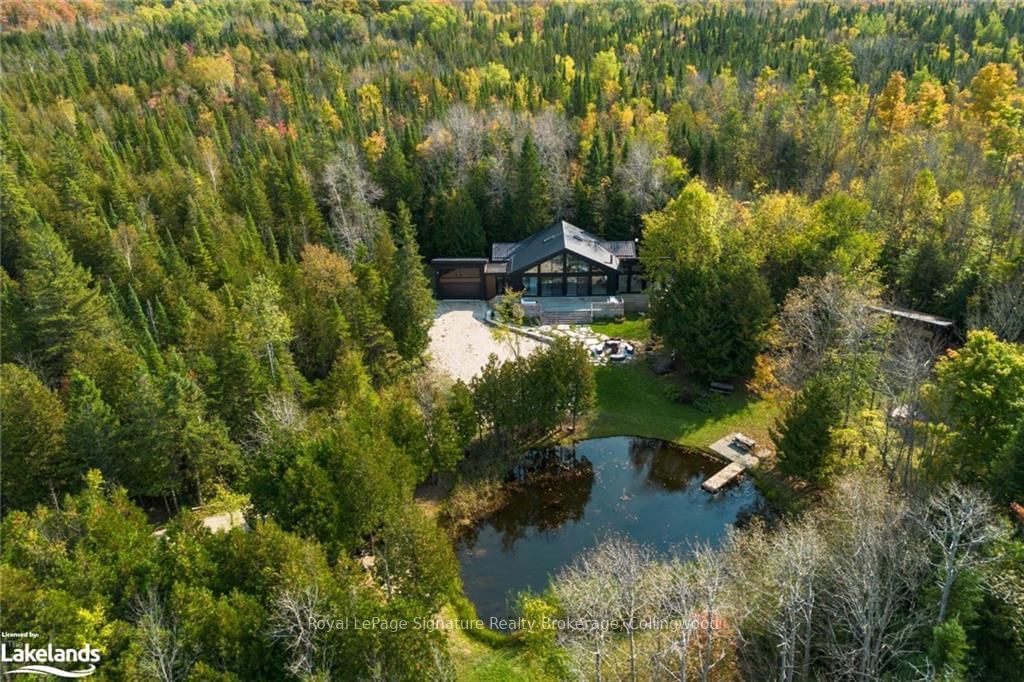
(632, 401)
(632, 327)
(477, 662)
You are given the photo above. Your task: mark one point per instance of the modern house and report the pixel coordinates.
(562, 267)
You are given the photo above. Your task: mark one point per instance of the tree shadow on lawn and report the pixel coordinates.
(634, 401)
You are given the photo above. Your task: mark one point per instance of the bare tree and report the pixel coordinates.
(163, 656)
(466, 139)
(455, 143)
(585, 596)
(960, 522)
(676, 592)
(876, 567)
(279, 414)
(906, 366)
(777, 581)
(585, 602)
(554, 138)
(820, 318)
(644, 179)
(797, 559)
(710, 584)
(629, 567)
(294, 613)
(350, 195)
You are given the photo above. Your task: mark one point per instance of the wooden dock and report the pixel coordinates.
(723, 477)
(740, 459)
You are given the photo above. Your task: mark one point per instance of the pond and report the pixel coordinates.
(571, 497)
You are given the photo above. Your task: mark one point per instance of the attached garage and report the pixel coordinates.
(459, 277)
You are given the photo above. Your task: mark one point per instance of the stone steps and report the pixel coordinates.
(567, 317)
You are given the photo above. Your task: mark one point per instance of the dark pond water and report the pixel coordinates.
(648, 490)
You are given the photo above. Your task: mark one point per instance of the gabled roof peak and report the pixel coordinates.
(562, 235)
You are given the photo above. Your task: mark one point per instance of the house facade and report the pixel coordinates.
(560, 261)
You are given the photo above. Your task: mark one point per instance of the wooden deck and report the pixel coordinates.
(739, 461)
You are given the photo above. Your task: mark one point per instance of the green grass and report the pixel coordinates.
(477, 661)
(633, 327)
(632, 401)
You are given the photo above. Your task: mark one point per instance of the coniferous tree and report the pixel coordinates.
(367, 324)
(804, 434)
(398, 180)
(410, 308)
(528, 204)
(36, 464)
(92, 430)
(61, 305)
(457, 227)
(197, 446)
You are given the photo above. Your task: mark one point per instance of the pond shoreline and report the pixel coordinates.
(513, 532)
(475, 501)
(479, 499)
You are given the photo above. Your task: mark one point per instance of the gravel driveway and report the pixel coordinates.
(460, 340)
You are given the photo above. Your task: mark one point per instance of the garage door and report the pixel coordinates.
(460, 283)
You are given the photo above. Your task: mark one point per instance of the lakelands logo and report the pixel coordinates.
(40, 661)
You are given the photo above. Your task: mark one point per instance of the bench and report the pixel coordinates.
(745, 443)
(722, 387)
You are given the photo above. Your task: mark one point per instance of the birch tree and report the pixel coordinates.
(585, 597)
(677, 602)
(350, 195)
(294, 613)
(164, 657)
(959, 522)
(875, 571)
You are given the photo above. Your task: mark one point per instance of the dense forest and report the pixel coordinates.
(215, 218)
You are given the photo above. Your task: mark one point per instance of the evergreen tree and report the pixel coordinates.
(1007, 480)
(237, 383)
(367, 324)
(398, 180)
(62, 307)
(457, 227)
(528, 204)
(92, 430)
(36, 465)
(949, 650)
(198, 446)
(804, 434)
(410, 307)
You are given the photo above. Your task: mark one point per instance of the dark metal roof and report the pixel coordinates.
(502, 250)
(625, 249)
(562, 236)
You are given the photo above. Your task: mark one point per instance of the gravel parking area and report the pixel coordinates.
(460, 340)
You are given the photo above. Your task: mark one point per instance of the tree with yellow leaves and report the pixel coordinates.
(930, 104)
(892, 110)
(993, 88)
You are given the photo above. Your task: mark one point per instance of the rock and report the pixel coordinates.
(662, 364)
